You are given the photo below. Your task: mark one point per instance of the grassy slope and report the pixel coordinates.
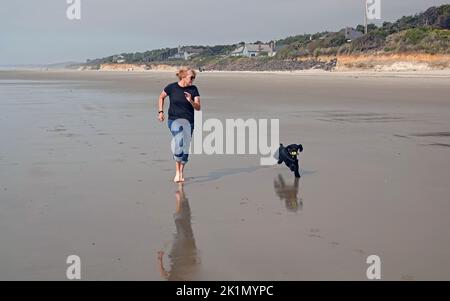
(424, 33)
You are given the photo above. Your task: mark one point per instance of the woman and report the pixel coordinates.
(184, 99)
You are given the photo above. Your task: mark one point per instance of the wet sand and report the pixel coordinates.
(85, 169)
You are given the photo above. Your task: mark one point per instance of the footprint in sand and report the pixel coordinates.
(69, 135)
(315, 233)
(408, 278)
(315, 236)
(359, 251)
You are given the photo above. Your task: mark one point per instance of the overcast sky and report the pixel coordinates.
(38, 31)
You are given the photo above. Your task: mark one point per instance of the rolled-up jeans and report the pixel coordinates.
(181, 130)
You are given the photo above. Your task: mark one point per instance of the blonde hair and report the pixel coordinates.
(183, 71)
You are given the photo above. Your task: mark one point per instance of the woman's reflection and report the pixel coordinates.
(288, 193)
(183, 255)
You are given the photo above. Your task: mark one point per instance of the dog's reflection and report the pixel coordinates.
(183, 255)
(288, 193)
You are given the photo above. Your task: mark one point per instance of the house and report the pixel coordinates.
(185, 53)
(177, 56)
(189, 52)
(352, 34)
(119, 59)
(252, 50)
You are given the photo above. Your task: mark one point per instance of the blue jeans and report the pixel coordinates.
(181, 130)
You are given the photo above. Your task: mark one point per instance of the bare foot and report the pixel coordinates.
(176, 179)
(181, 179)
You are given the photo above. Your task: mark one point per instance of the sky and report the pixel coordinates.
(39, 32)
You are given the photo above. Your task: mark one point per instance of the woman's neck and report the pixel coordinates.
(182, 84)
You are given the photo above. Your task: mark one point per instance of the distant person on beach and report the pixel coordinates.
(184, 99)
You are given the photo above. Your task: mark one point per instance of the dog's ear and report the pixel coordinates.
(281, 144)
(300, 148)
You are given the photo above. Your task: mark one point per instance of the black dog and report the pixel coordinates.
(288, 155)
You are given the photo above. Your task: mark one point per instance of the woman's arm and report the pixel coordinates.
(162, 96)
(195, 103)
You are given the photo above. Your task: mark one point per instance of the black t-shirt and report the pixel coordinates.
(179, 105)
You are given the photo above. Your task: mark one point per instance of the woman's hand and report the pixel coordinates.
(196, 103)
(188, 97)
(161, 116)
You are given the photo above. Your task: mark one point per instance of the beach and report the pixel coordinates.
(86, 170)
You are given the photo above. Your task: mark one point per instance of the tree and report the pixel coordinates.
(360, 28)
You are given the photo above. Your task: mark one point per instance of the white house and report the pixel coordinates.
(185, 53)
(252, 50)
(119, 59)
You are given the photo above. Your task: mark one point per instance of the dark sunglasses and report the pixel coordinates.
(191, 77)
